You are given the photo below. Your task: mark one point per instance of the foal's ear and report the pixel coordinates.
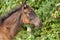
(25, 6)
(24, 3)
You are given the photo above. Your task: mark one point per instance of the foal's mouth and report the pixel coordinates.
(37, 26)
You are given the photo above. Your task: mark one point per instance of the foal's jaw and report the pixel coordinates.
(25, 19)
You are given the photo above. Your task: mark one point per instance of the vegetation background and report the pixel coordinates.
(47, 10)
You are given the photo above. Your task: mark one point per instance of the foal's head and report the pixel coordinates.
(30, 17)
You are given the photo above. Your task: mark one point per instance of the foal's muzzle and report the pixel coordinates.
(37, 23)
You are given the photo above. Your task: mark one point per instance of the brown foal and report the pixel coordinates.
(11, 23)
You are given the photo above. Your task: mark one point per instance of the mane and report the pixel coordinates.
(9, 14)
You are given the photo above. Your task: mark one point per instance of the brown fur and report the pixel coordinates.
(11, 23)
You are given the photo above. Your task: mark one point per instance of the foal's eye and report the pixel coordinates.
(30, 16)
(29, 13)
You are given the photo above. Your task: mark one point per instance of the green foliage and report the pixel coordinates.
(46, 10)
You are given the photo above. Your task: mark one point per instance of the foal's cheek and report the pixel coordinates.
(25, 19)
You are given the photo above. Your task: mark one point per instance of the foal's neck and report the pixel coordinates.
(12, 24)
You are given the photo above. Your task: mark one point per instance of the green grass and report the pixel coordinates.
(46, 10)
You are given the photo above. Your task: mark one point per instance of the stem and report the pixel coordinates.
(29, 30)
